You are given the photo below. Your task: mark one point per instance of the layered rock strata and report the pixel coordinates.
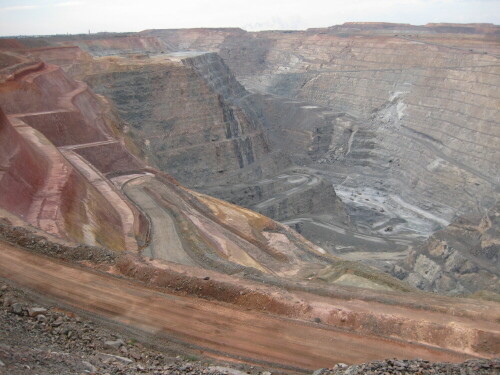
(427, 125)
(408, 143)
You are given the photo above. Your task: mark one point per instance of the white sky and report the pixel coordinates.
(42, 17)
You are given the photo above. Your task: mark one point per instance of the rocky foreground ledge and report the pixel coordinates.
(416, 366)
(41, 339)
(37, 338)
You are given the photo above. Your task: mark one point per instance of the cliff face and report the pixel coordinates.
(402, 119)
(22, 173)
(193, 119)
(84, 185)
(186, 118)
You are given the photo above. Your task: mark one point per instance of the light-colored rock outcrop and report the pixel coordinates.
(462, 258)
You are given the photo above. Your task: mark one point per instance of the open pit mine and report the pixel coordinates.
(281, 201)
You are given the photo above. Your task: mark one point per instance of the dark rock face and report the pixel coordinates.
(462, 258)
(196, 121)
(185, 117)
(409, 143)
(432, 115)
(293, 193)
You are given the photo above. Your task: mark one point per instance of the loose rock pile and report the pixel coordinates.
(40, 339)
(416, 366)
(19, 236)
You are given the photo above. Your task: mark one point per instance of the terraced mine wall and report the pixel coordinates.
(211, 137)
(44, 109)
(130, 44)
(23, 170)
(403, 120)
(31, 190)
(427, 105)
(270, 197)
(183, 125)
(400, 119)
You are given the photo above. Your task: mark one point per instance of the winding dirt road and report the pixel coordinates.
(216, 329)
(165, 242)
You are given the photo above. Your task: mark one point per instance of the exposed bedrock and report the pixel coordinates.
(427, 104)
(462, 258)
(186, 121)
(403, 120)
(227, 144)
(40, 186)
(67, 191)
(292, 193)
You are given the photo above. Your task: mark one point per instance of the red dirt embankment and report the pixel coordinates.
(35, 88)
(10, 44)
(64, 128)
(212, 327)
(477, 333)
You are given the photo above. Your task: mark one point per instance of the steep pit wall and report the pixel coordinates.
(70, 58)
(436, 116)
(64, 110)
(89, 217)
(64, 128)
(314, 133)
(290, 194)
(212, 69)
(130, 44)
(236, 103)
(317, 200)
(52, 195)
(185, 127)
(41, 187)
(250, 52)
(428, 101)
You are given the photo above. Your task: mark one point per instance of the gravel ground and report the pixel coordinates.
(416, 366)
(40, 339)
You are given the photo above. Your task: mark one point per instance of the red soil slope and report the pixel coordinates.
(22, 170)
(44, 109)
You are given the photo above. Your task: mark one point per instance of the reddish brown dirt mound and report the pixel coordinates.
(10, 44)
